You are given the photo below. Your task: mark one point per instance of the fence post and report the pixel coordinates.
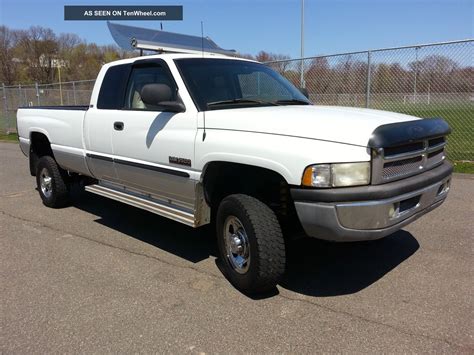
(19, 96)
(416, 74)
(302, 82)
(5, 108)
(37, 94)
(74, 92)
(369, 80)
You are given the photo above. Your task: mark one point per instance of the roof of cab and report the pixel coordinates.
(173, 56)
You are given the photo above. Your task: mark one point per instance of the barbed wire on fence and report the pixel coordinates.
(428, 80)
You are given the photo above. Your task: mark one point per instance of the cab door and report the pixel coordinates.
(99, 122)
(154, 150)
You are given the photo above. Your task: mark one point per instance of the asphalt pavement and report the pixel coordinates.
(100, 276)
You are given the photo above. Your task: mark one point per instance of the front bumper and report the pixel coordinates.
(370, 212)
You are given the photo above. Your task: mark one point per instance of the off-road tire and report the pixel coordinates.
(59, 196)
(267, 245)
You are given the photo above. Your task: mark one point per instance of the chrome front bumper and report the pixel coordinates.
(373, 218)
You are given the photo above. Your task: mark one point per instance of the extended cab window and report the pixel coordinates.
(141, 76)
(228, 83)
(113, 86)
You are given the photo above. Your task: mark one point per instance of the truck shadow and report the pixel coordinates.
(321, 269)
(191, 244)
(314, 267)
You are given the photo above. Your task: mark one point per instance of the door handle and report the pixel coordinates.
(118, 126)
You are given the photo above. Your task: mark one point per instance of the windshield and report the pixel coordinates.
(225, 83)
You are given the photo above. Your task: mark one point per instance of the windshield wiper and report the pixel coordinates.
(292, 102)
(241, 101)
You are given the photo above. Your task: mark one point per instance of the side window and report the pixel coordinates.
(260, 84)
(142, 75)
(113, 86)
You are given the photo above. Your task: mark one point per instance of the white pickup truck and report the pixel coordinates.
(201, 138)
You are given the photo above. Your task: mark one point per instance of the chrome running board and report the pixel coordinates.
(141, 201)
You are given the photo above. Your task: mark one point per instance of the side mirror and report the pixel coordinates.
(160, 95)
(305, 92)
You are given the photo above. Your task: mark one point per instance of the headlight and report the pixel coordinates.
(337, 175)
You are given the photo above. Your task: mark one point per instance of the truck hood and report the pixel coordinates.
(330, 123)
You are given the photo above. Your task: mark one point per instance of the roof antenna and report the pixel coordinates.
(161, 25)
(202, 39)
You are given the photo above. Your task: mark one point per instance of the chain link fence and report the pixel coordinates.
(64, 94)
(435, 80)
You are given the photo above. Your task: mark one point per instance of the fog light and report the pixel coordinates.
(441, 189)
(393, 210)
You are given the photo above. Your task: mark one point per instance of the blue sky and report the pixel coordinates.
(331, 26)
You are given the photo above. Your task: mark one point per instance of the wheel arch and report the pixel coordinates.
(223, 178)
(245, 160)
(40, 145)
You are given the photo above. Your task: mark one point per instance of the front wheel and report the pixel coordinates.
(251, 244)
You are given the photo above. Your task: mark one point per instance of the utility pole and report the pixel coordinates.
(302, 83)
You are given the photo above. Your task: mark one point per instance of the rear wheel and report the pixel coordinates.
(251, 244)
(52, 183)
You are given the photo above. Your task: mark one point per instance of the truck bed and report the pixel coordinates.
(62, 125)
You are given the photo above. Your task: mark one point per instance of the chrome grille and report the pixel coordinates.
(436, 157)
(401, 167)
(394, 163)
